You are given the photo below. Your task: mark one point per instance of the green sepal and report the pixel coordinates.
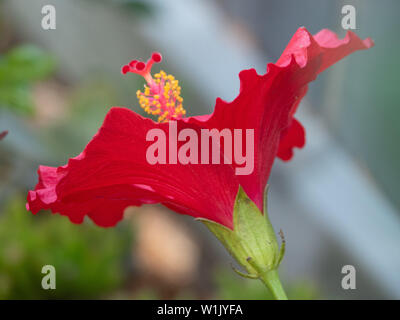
(252, 242)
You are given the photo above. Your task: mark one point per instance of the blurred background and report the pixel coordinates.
(337, 201)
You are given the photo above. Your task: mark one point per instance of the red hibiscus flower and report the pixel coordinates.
(113, 173)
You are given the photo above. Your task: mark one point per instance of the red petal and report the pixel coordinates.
(293, 136)
(335, 49)
(267, 103)
(113, 173)
(263, 104)
(324, 45)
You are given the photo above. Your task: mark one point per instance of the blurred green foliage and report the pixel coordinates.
(19, 69)
(89, 260)
(229, 286)
(140, 8)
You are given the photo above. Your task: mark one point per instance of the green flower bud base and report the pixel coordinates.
(252, 242)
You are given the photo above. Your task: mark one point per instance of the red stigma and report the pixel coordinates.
(133, 63)
(125, 69)
(156, 57)
(140, 67)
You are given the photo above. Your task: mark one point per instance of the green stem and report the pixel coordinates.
(271, 280)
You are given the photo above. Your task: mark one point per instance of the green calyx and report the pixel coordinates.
(252, 242)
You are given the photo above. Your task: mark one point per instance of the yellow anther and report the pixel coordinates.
(161, 96)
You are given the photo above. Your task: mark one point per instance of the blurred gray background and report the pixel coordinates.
(337, 201)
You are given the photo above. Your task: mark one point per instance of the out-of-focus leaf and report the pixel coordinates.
(89, 260)
(138, 7)
(17, 98)
(19, 69)
(231, 287)
(25, 64)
